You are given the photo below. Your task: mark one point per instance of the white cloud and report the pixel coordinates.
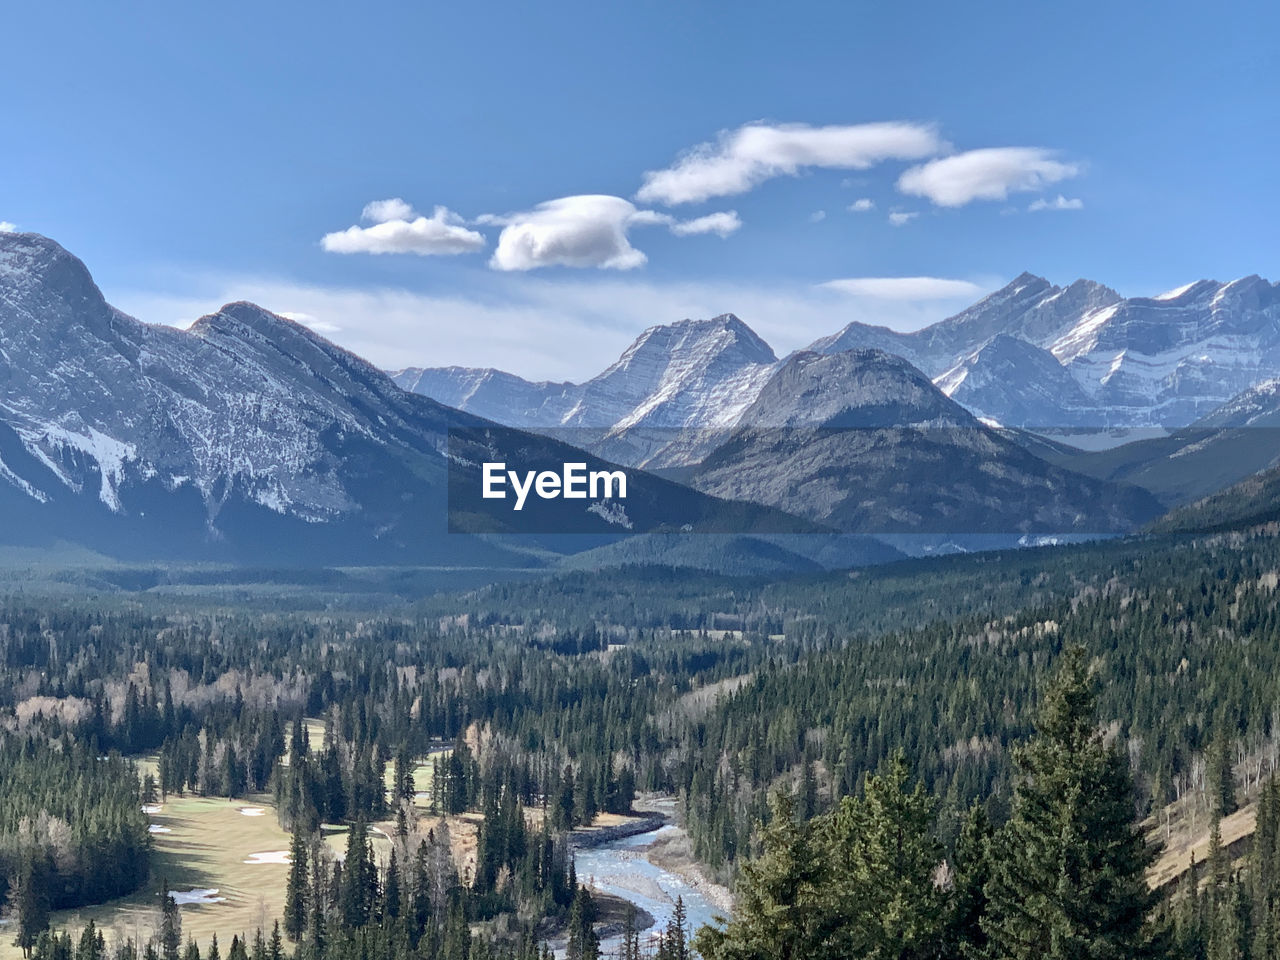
(539, 327)
(899, 219)
(443, 233)
(380, 211)
(310, 322)
(1058, 203)
(582, 231)
(7, 227)
(744, 158)
(905, 288)
(817, 216)
(862, 205)
(988, 174)
(722, 223)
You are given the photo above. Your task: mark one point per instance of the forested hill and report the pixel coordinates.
(569, 696)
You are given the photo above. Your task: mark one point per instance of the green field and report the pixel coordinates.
(205, 846)
(206, 849)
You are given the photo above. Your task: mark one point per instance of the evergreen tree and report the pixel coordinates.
(583, 942)
(1069, 868)
(1220, 773)
(882, 896)
(970, 874)
(295, 895)
(170, 927)
(391, 889)
(779, 913)
(29, 895)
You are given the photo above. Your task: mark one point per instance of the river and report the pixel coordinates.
(622, 868)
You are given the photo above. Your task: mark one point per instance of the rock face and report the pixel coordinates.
(246, 436)
(1159, 361)
(862, 441)
(1021, 382)
(674, 382)
(1030, 355)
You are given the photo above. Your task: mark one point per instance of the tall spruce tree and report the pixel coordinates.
(780, 911)
(1069, 871)
(883, 898)
(295, 894)
(29, 895)
(970, 874)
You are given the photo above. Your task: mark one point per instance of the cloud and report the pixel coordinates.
(723, 224)
(744, 158)
(542, 327)
(7, 227)
(988, 174)
(1058, 203)
(310, 322)
(817, 216)
(899, 219)
(862, 206)
(443, 233)
(582, 231)
(380, 211)
(905, 288)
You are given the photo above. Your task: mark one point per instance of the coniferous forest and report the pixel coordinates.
(972, 757)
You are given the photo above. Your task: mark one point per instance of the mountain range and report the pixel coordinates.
(1031, 355)
(249, 436)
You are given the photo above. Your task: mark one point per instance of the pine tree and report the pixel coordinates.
(92, 946)
(295, 896)
(630, 934)
(391, 889)
(1069, 868)
(355, 901)
(677, 935)
(30, 897)
(780, 911)
(1220, 774)
(583, 942)
(882, 895)
(170, 927)
(970, 873)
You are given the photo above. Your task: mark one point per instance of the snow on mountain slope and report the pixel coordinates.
(694, 375)
(250, 436)
(863, 441)
(243, 397)
(1158, 361)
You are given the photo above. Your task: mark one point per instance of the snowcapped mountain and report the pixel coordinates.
(1025, 383)
(245, 435)
(1146, 361)
(1030, 355)
(864, 442)
(674, 381)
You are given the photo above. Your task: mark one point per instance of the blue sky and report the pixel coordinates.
(192, 154)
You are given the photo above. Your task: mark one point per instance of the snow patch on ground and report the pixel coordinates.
(271, 856)
(252, 811)
(184, 898)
